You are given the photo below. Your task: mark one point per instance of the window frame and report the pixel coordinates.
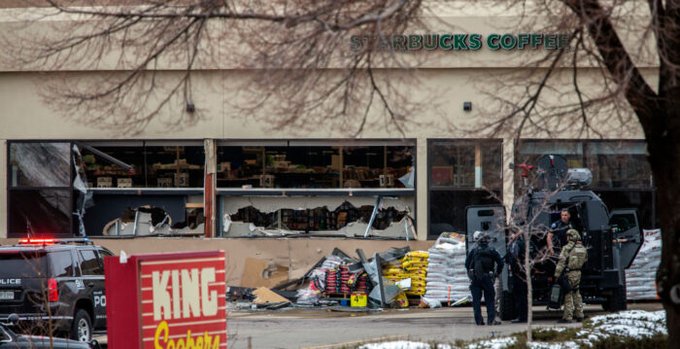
(431, 142)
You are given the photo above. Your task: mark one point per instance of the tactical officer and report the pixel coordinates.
(480, 266)
(557, 235)
(574, 255)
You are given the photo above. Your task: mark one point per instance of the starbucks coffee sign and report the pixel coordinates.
(460, 42)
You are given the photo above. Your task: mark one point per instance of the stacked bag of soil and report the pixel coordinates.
(447, 281)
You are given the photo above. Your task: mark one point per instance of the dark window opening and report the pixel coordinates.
(315, 166)
(461, 173)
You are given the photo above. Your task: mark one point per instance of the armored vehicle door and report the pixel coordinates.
(627, 235)
(489, 219)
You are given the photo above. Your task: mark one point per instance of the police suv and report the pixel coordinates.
(54, 286)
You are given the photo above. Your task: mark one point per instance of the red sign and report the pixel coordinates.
(169, 300)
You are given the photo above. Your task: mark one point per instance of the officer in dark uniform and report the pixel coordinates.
(557, 235)
(516, 255)
(480, 266)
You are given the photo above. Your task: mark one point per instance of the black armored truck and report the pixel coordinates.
(612, 237)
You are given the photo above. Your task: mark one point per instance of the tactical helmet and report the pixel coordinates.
(573, 235)
(476, 235)
(483, 238)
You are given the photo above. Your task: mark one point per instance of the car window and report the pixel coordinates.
(103, 252)
(89, 265)
(22, 264)
(61, 264)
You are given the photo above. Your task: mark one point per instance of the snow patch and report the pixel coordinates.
(495, 343)
(560, 345)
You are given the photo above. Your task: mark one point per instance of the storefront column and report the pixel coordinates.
(3, 185)
(209, 187)
(508, 174)
(422, 202)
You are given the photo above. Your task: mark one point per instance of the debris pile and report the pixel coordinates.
(399, 277)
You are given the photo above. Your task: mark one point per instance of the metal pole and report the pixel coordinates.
(375, 212)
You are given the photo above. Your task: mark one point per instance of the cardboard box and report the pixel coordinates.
(124, 182)
(164, 182)
(104, 182)
(181, 179)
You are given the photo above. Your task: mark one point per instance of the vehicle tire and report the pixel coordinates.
(508, 311)
(81, 328)
(617, 301)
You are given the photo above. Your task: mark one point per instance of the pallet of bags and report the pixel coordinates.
(447, 281)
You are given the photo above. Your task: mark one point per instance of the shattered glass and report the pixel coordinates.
(39, 164)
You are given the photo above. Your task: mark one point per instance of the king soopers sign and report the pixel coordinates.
(459, 42)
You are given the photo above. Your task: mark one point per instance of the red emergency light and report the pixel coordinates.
(29, 241)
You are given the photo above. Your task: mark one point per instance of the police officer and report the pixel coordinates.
(480, 266)
(519, 285)
(557, 235)
(573, 256)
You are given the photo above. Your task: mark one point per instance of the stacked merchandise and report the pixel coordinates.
(317, 278)
(447, 281)
(412, 267)
(415, 267)
(393, 272)
(640, 277)
(340, 281)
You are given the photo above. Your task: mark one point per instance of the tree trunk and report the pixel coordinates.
(664, 157)
(527, 275)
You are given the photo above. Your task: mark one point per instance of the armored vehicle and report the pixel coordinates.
(613, 238)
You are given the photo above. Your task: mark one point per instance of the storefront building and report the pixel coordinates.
(234, 178)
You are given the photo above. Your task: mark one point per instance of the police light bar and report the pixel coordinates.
(29, 241)
(53, 241)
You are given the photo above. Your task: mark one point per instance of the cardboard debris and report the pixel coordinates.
(262, 273)
(264, 295)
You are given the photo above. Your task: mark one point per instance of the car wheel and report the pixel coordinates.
(81, 329)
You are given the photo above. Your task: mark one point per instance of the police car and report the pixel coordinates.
(54, 286)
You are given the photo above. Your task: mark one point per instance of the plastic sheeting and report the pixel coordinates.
(640, 277)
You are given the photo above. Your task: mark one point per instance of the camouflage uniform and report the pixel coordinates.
(573, 256)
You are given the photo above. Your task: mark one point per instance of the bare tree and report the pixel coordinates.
(289, 46)
(295, 40)
(618, 38)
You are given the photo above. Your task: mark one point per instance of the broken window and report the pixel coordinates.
(39, 188)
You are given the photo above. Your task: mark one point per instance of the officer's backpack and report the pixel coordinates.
(483, 262)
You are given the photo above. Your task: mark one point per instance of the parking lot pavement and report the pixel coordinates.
(323, 328)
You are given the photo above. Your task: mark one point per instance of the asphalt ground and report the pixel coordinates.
(330, 328)
(338, 327)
